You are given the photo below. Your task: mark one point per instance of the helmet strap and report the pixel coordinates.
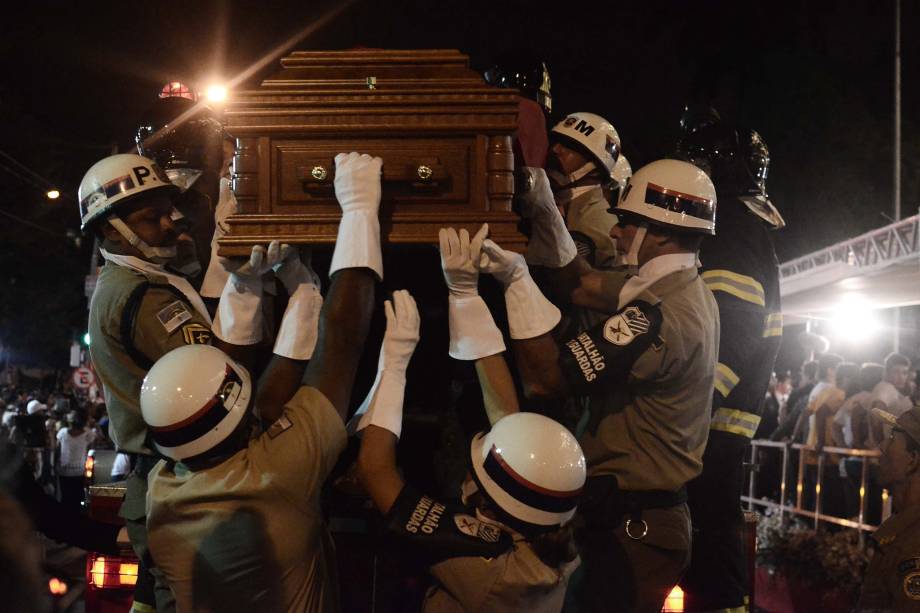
(631, 260)
(568, 182)
(157, 255)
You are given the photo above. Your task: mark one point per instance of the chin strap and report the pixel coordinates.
(630, 261)
(158, 255)
(567, 190)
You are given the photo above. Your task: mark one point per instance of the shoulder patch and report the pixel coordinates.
(173, 316)
(281, 424)
(911, 585)
(468, 524)
(196, 334)
(625, 326)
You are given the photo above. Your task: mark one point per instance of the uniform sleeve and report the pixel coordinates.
(605, 354)
(906, 592)
(159, 320)
(438, 531)
(302, 447)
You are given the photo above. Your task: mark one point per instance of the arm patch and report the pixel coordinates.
(606, 352)
(439, 531)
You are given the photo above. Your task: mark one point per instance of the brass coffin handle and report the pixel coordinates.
(420, 176)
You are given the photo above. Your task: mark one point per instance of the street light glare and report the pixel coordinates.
(216, 93)
(854, 320)
(53, 194)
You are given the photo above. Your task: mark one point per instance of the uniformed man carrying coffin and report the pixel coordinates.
(653, 360)
(142, 308)
(508, 547)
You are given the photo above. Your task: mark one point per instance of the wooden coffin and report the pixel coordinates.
(444, 136)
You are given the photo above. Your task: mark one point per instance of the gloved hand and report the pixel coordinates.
(300, 325)
(239, 312)
(506, 266)
(473, 333)
(460, 274)
(530, 314)
(383, 405)
(550, 243)
(357, 188)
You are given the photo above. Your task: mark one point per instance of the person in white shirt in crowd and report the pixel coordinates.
(73, 443)
(889, 396)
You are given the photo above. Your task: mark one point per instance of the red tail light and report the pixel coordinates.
(88, 466)
(675, 601)
(107, 572)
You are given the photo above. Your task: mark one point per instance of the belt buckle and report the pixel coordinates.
(629, 523)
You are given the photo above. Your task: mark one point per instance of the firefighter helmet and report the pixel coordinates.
(594, 136)
(192, 399)
(531, 467)
(115, 180)
(180, 134)
(673, 194)
(528, 75)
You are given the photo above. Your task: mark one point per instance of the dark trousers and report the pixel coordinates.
(718, 577)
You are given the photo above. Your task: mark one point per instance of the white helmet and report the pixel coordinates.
(673, 194)
(192, 399)
(594, 135)
(622, 171)
(115, 179)
(35, 406)
(531, 467)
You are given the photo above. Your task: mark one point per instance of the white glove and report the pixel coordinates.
(530, 314)
(550, 244)
(299, 327)
(473, 333)
(357, 188)
(383, 406)
(239, 312)
(216, 276)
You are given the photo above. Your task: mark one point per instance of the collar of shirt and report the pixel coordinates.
(180, 283)
(574, 195)
(654, 270)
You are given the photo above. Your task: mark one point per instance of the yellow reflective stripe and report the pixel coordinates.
(140, 607)
(726, 379)
(735, 422)
(773, 325)
(740, 286)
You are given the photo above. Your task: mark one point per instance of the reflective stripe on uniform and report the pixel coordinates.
(735, 422)
(140, 607)
(725, 380)
(740, 286)
(773, 325)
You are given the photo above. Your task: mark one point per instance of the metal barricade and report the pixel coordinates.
(798, 508)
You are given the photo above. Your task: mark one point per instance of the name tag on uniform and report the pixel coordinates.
(174, 316)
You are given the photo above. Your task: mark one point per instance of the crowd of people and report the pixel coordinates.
(834, 404)
(643, 334)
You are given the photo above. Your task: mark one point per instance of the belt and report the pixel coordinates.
(604, 505)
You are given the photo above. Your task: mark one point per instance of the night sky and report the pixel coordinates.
(814, 78)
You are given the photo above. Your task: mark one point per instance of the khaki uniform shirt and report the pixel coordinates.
(589, 222)
(134, 319)
(248, 534)
(653, 432)
(515, 581)
(892, 581)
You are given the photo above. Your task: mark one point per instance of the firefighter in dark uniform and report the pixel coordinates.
(142, 308)
(504, 549)
(741, 269)
(653, 358)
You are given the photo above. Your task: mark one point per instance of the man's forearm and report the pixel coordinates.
(377, 467)
(498, 392)
(277, 385)
(343, 327)
(579, 284)
(537, 360)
